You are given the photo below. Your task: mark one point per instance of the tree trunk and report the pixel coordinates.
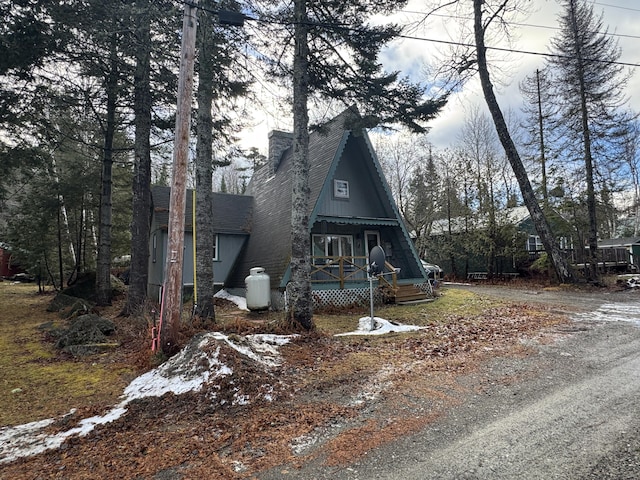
(141, 204)
(449, 227)
(103, 268)
(60, 263)
(67, 237)
(203, 228)
(80, 239)
(299, 289)
(588, 158)
(543, 157)
(550, 243)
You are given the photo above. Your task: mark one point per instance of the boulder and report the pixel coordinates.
(87, 334)
(69, 306)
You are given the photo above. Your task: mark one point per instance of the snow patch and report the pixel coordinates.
(375, 386)
(613, 312)
(241, 302)
(262, 348)
(380, 327)
(197, 364)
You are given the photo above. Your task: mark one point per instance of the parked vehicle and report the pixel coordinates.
(434, 272)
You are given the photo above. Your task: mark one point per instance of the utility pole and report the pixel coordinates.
(172, 290)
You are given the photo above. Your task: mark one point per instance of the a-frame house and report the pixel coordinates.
(351, 210)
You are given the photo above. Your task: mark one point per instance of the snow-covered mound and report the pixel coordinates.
(203, 363)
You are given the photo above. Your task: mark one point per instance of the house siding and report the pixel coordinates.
(335, 152)
(229, 247)
(232, 225)
(363, 200)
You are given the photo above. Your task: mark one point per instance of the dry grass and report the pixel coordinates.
(38, 381)
(344, 395)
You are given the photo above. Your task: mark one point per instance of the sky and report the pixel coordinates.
(530, 33)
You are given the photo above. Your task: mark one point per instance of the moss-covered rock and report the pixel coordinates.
(69, 306)
(87, 331)
(83, 287)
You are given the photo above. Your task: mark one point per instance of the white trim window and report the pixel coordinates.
(332, 246)
(565, 243)
(215, 247)
(340, 188)
(154, 248)
(534, 243)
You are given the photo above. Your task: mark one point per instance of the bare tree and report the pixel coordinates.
(632, 158)
(484, 15)
(399, 155)
(479, 144)
(411, 171)
(538, 111)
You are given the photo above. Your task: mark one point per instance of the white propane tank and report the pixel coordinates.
(258, 289)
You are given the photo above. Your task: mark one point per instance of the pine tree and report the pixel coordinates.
(335, 57)
(589, 86)
(141, 187)
(426, 204)
(218, 85)
(30, 37)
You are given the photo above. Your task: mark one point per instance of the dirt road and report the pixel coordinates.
(571, 410)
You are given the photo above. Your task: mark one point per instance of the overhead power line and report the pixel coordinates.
(616, 6)
(513, 50)
(448, 42)
(518, 24)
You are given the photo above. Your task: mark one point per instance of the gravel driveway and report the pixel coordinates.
(570, 410)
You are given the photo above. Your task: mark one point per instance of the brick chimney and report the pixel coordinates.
(278, 143)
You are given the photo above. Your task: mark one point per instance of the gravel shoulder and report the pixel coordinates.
(566, 300)
(568, 409)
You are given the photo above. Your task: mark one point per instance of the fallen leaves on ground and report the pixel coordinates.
(334, 399)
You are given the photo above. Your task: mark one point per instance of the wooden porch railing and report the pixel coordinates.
(343, 270)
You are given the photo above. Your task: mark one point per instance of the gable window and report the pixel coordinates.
(340, 189)
(331, 246)
(215, 247)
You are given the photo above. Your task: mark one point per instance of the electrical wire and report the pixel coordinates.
(516, 24)
(448, 42)
(513, 50)
(616, 6)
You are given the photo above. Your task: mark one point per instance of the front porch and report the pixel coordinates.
(342, 273)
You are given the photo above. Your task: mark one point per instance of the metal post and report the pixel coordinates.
(373, 323)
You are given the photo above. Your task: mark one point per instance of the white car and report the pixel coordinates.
(433, 271)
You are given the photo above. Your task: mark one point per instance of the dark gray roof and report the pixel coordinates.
(231, 213)
(270, 243)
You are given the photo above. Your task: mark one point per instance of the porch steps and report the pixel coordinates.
(408, 294)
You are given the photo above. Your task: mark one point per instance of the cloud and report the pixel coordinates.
(409, 56)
